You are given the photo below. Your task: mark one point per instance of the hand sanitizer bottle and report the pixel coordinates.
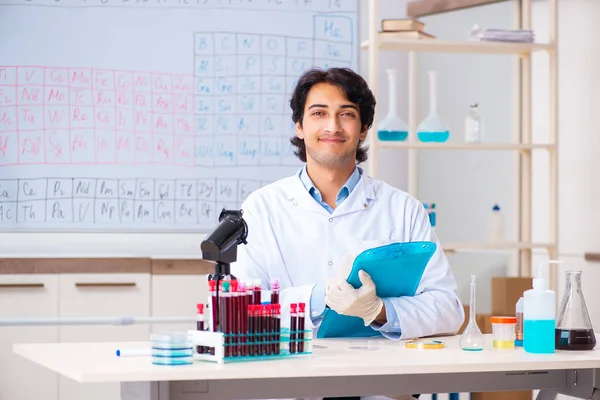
(539, 314)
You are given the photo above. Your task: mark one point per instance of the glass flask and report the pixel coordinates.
(573, 327)
(432, 128)
(472, 339)
(392, 128)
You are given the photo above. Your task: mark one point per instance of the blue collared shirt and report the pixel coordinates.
(342, 194)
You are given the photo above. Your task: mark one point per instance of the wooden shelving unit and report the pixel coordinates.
(521, 143)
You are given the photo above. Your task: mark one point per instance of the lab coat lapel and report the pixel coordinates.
(360, 199)
(301, 199)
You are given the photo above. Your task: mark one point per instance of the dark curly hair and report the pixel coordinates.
(354, 87)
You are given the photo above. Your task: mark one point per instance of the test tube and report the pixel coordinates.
(234, 317)
(249, 292)
(275, 291)
(251, 330)
(243, 318)
(293, 326)
(277, 321)
(225, 311)
(212, 289)
(259, 329)
(256, 292)
(200, 325)
(301, 307)
(267, 329)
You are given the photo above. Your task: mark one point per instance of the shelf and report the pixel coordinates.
(398, 43)
(464, 146)
(492, 247)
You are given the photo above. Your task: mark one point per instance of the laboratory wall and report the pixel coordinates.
(579, 144)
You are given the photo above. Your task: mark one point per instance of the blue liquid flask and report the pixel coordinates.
(392, 128)
(432, 128)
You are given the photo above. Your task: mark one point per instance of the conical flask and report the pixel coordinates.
(432, 128)
(573, 327)
(472, 339)
(392, 128)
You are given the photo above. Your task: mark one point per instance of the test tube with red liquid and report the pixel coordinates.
(301, 313)
(275, 291)
(293, 326)
(277, 328)
(235, 318)
(256, 292)
(212, 288)
(200, 325)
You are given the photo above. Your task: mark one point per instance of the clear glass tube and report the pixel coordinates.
(472, 339)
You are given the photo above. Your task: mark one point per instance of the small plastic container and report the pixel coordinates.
(172, 348)
(503, 332)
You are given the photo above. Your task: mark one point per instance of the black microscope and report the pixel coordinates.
(221, 246)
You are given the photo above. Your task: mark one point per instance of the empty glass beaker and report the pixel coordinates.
(392, 128)
(432, 128)
(573, 327)
(472, 339)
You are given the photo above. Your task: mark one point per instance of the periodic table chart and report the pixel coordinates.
(153, 115)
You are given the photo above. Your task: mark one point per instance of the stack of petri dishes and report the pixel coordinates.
(172, 348)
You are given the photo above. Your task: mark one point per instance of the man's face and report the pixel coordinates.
(331, 126)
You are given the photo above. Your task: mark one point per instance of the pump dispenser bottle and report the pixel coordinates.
(539, 314)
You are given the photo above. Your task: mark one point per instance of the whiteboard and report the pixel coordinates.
(152, 115)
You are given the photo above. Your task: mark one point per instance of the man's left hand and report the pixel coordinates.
(362, 302)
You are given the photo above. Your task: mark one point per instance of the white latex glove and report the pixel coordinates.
(361, 302)
(342, 272)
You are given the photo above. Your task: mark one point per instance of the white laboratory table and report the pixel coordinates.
(332, 370)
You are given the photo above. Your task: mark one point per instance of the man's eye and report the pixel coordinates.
(349, 114)
(318, 113)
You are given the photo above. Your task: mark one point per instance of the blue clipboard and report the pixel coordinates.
(396, 270)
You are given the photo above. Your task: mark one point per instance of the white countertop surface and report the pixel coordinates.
(97, 362)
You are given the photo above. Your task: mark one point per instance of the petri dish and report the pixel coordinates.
(365, 345)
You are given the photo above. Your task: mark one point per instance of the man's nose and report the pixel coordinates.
(333, 125)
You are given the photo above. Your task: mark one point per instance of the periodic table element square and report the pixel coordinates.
(30, 75)
(186, 189)
(248, 150)
(273, 45)
(226, 150)
(339, 52)
(8, 189)
(227, 190)
(225, 43)
(204, 43)
(273, 84)
(299, 47)
(9, 145)
(248, 44)
(207, 189)
(333, 28)
(273, 65)
(249, 64)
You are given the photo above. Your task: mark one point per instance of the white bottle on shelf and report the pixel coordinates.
(474, 125)
(495, 226)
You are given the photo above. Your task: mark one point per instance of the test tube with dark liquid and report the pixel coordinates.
(293, 326)
(200, 325)
(301, 307)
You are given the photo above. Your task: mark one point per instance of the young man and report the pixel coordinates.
(307, 228)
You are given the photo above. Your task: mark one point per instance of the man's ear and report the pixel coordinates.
(299, 131)
(363, 133)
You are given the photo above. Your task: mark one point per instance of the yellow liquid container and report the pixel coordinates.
(503, 332)
(504, 344)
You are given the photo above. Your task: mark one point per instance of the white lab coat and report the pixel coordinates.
(293, 238)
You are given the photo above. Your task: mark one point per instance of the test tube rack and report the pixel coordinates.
(211, 346)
